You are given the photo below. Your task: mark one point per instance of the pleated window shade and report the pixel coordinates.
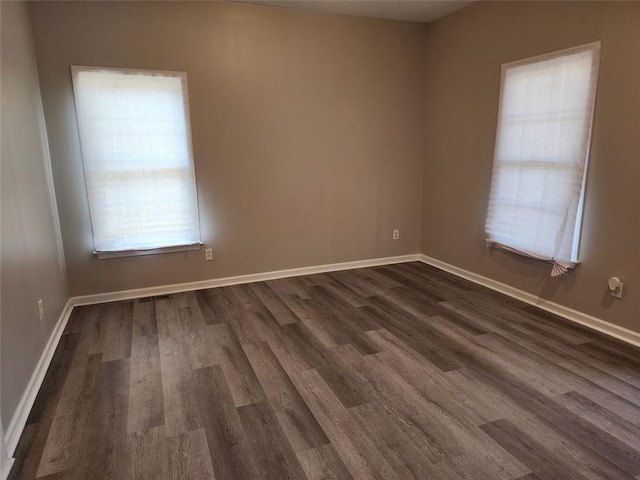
(541, 153)
(137, 155)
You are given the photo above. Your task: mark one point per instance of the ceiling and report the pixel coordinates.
(409, 10)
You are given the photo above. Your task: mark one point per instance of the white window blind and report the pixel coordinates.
(542, 144)
(136, 149)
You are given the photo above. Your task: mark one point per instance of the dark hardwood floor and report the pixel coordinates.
(393, 372)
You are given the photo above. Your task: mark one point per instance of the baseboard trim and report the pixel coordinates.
(226, 281)
(19, 419)
(594, 323)
(7, 469)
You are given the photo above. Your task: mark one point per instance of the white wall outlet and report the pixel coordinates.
(208, 254)
(41, 309)
(396, 234)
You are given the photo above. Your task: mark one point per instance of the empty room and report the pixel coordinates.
(357, 239)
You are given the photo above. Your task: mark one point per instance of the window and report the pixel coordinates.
(540, 161)
(138, 164)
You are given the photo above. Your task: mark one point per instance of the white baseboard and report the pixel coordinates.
(602, 326)
(226, 281)
(7, 469)
(19, 419)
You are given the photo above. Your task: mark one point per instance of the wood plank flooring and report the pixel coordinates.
(394, 372)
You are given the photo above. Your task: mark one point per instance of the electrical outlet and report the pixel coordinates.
(396, 234)
(208, 254)
(618, 292)
(41, 309)
(615, 287)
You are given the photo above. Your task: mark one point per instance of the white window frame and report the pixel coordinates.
(75, 70)
(596, 47)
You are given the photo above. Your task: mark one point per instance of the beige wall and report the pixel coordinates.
(307, 131)
(464, 54)
(32, 264)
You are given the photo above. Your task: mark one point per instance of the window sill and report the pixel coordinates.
(153, 251)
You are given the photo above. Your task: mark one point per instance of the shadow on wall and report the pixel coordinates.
(547, 286)
(607, 300)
